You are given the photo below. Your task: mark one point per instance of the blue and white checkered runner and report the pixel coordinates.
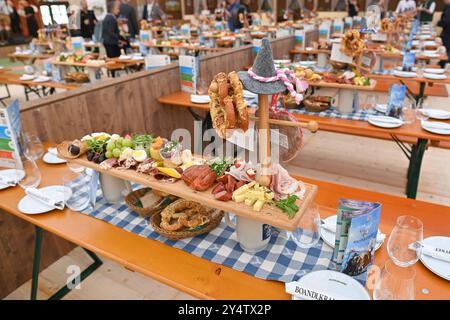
(282, 260)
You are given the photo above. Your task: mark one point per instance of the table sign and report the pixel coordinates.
(348, 23)
(299, 39)
(185, 29)
(256, 45)
(10, 130)
(338, 26)
(324, 31)
(145, 35)
(77, 45)
(397, 95)
(409, 59)
(154, 61)
(357, 22)
(356, 233)
(189, 73)
(338, 55)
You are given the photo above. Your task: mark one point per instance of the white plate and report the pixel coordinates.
(404, 74)
(436, 127)
(307, 63)
(42, 79)
(11, 174)
(431, 54)
(436, 113)
(285, 61)
(434, 76)
(50, 158)
(385, 122)
(329, 237)
(336, 284)
(439, 267)
(200, 98)
(124, 57)
(29, 205)
(27, 77)
(381, 108)
(434, 70)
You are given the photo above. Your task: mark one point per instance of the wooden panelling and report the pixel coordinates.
(16, 252)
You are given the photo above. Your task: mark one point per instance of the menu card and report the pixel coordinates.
(338, 26)
(338, 55)
(77, 45)
(256, 45)
(324, 31)
(409, 58)
(397, 95)
(299, 36)
(10, 129)
(189, 73)
(348, 23)
(356, 233)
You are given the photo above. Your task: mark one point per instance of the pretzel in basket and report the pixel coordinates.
(183, 214)
(352, 43)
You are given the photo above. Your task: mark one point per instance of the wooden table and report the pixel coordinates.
(412, 134)
(28, 58)
(202, 278)
(35, 87)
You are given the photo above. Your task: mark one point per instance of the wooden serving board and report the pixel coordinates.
(325, 84)
(269, 214)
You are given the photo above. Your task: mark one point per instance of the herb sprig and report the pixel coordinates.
(288, 205)
(219, 166)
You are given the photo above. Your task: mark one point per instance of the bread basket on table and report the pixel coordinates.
(134, 203)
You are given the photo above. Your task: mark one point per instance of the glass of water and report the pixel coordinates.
(29, 175)
(307, 234)
(395, 283)
(32, 146)
(77, 190)
(409, 111)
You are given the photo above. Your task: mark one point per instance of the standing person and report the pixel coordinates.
(341, 5)
(235, 12)
(425, 11)
(5, 22)
(110, 31)
(29, 12)
(246, 5)
(220, 11)
(444, 23)
(127, 12)
(14, 18)
(88, 20)
(352, 8)
(153, 12)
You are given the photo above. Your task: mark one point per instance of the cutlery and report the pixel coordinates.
(7, 181)
(386, 120)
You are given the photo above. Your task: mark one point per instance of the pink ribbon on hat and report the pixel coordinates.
(284, 75)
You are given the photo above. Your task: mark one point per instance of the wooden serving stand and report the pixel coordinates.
(269, 214)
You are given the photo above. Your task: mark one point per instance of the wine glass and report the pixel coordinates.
(76, 190)
(407, 230)
(370, 102)
(32, 177)
(74, 167)
(307, 233)
(33, 147)
(395, 283)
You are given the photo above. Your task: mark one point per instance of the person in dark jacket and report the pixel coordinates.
(153, 12)
(110, 31)
(88, 20)
(30, 16)
(352, 8)
(127, 12)
(444, 23)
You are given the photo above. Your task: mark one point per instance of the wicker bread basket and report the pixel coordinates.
(133, 198)
(216, 217)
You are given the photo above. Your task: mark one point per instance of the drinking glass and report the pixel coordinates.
(76, 190)
(32, 177)
(407, 230)
(370, 102)
(74, 167)
(421, 105)
(395, 283)
(409, 111)
(202, 87)
(307, 233)
(33, 147)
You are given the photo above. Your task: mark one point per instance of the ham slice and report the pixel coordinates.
(283, 184)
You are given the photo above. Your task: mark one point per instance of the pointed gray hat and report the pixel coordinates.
(262, 66)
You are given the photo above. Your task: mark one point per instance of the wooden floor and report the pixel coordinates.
(360, 162)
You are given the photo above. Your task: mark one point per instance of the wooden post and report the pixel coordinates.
(264, 139)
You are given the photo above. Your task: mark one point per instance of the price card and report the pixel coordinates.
(156, 60)
(337, 55)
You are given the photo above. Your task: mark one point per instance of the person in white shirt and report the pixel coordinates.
(405, 6)
(425, 11)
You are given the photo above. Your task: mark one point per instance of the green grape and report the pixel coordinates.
(108, 154)
(110, 146)
(127, 143)
(116, 152)
(119, 143)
